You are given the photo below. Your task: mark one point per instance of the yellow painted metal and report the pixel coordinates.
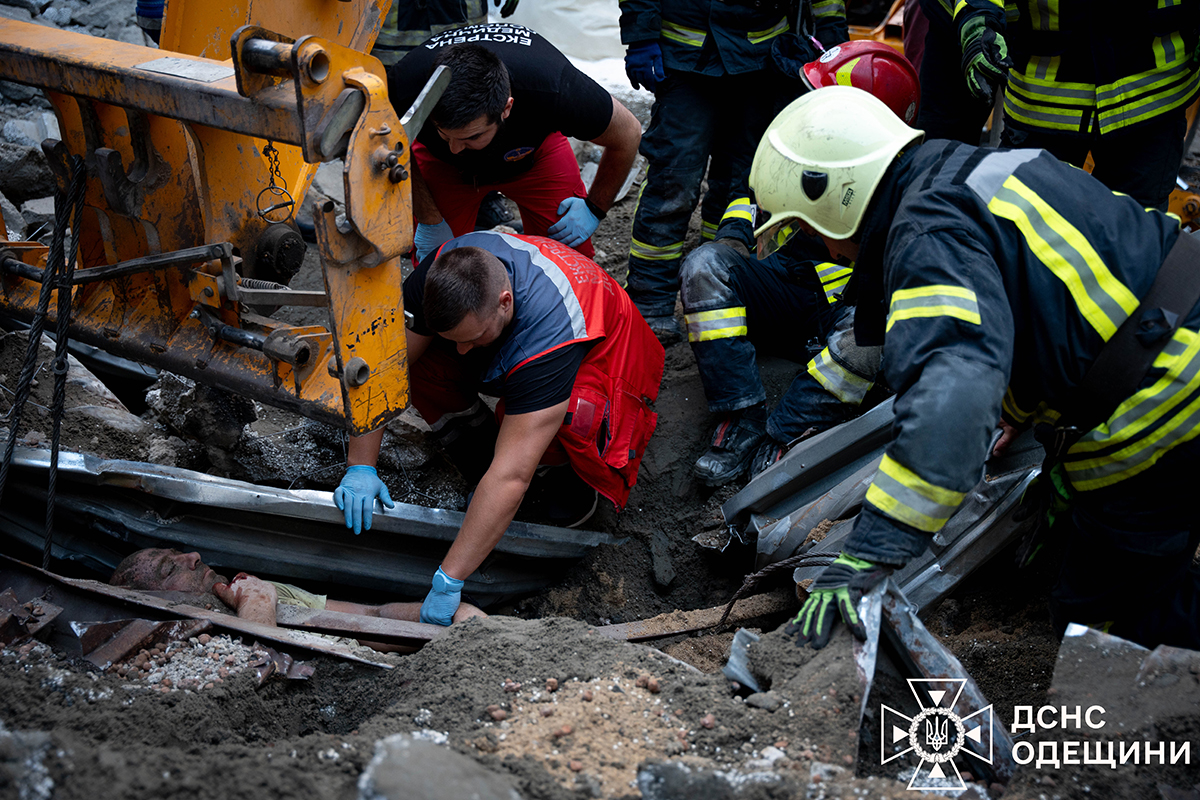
(176, 161)
(890, 31)
(203, 28)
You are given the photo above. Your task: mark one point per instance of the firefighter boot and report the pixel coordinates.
(733, 443)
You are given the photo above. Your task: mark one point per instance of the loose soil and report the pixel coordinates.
(67, 730)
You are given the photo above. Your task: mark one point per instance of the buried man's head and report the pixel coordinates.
(165, 570)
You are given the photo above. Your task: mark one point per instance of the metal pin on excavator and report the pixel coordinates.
(195, 155)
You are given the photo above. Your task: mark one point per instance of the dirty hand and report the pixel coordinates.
(509, 7)
(245, 589)
(356, 495)
(442, 600)
(576, 222)
(838, 588)
(644, 65)
(430, 237)
(985, 61)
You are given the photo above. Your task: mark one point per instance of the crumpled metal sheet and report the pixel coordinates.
(20, 621)
(273, 662)
(106, 506)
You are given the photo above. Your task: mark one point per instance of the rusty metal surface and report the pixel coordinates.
(111, 72)
(20, 621)
(106, 643)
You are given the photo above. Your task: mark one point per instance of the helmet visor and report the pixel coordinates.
(776, 236)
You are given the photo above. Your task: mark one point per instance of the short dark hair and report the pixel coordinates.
(134, 571)
(461, 281)
(479, 87)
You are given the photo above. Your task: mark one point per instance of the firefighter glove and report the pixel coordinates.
(356, 494)
(644, 65)
(838, 588)
(442, 600)
(430, 237)
(985, 61)
(509, 7)
(576, 222)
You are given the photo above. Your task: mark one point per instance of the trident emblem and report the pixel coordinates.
(937, 732)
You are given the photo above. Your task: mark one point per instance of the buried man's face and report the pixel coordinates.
(171, 570)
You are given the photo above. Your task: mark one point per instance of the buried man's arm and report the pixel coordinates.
(254, 600)
(522, 441)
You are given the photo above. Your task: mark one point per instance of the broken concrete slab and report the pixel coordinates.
(1150, 703)
(406, 767)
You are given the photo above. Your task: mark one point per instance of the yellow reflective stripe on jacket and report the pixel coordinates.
(720, 323)
(837, 380)
(708, 230)
(904, 495)
(1059, 119)
(1011, 410)
(834, 278)
(693, 37)
(958, 9)
(1148, 106)
(739, 208)
(935, 300)
(1147, 424)
(1103, 300)
(1043, 14)
(651, 252)
(829, 8)
(758, 37)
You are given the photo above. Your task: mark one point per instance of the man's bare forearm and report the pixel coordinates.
(424, 208)
(492, 508)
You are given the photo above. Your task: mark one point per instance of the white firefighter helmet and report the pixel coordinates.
(820, 161)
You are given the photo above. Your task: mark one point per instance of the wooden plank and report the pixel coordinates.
(677, 622)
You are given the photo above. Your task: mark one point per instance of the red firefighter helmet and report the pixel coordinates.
(873, 67)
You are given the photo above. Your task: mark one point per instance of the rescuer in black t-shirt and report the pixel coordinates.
(502, 125)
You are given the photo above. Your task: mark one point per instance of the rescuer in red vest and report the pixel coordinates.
(550, 333)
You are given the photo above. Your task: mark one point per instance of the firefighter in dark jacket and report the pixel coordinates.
(1112, 79)
(996, 279)
(708, 63)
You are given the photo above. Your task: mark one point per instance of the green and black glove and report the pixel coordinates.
(985, 61)
(1047, 499)
(509, 7)
(838, 588)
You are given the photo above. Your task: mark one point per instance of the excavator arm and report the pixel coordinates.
(193, 166)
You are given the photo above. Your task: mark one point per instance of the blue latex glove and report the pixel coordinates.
(576, 222)
(356, 495)
(644, 65)
(442, 600)
(430, 237)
